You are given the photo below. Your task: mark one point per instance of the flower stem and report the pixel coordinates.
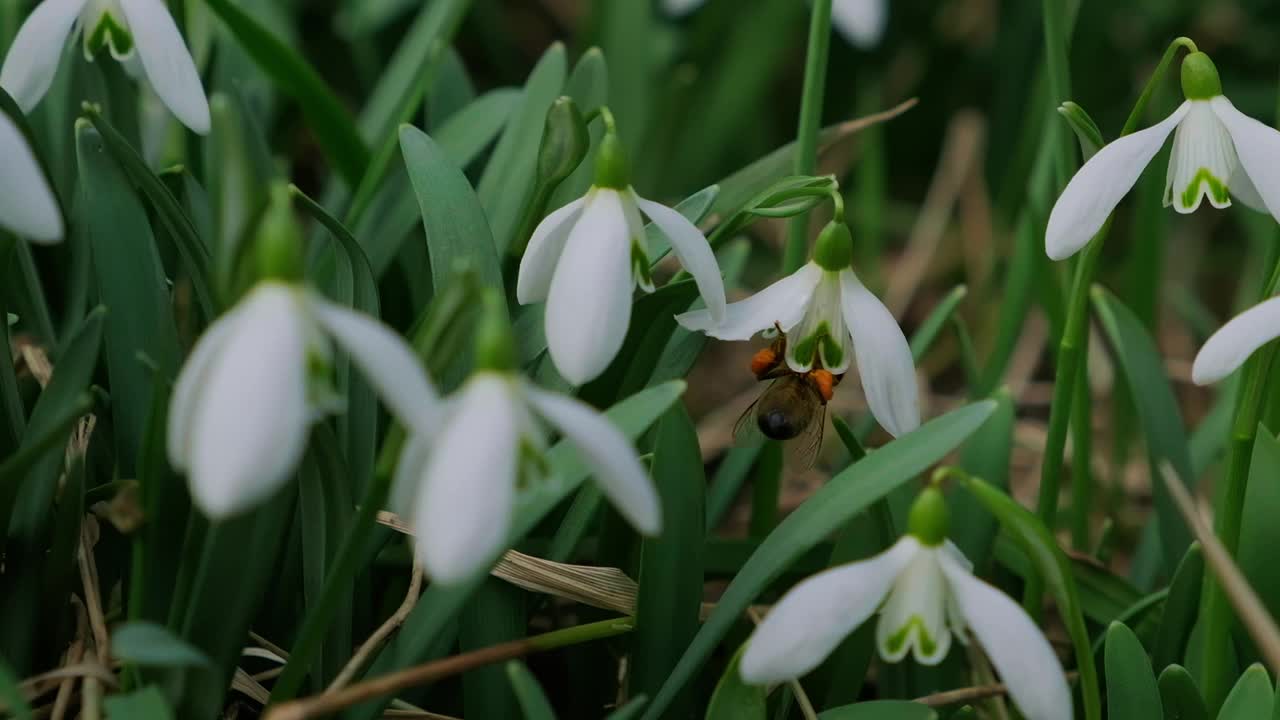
(1059, 67)
(1072, 344)
(1215, 608)
(806, 158)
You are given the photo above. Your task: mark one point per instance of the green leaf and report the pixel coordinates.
(671, 572)
(145, 704)
(146, 643)
(533, 702)
(881, 710)
(327, 117)
(631, 710)
(831, 507)
(1180, 609)
(1051, 565)
(457, 232)
(727, 482)
(1179, 696)
(1251, 699)
(12, 699)
(1259, 531)
(1158, 413)
(473, 128)
(509, 177)
(131, 283)
(425, 626)
(985, 455)
(1131, 686)
(735, 699)
(495, 614)
(193, 250)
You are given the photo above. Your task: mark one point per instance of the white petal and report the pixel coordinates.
(589, 305)
(1202, 162)
(693, 251)
(190, 386)
(608, 454)
(1016, 646)
(815, 615)
(386, 361)
(410, 469)
(1242, 189)
(539, 261)
(783, 302)
(914, 618)
(1258, 146)
(823, 324)
(250, 425)
(36, 50)
(167, 61)
(27, 204)
(861, 22)
(884, 358)
(467, 491)
(1226, 350)
(1098, 186)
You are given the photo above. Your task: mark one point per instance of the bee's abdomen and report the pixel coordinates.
(779, 425)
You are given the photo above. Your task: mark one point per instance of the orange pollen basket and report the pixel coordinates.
(825, 382)
(764, 361)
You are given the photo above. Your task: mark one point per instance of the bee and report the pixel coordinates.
(793, 408)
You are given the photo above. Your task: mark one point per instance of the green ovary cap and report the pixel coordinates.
(612, 170)
(1200, 79)
(277, 244)
(928, 519)
(834, 249)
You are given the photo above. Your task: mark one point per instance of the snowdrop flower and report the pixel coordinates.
(585, 260)
(457, 487)
(861, 22)
(1226, 350)
(828, 317)
(927, 595)
(258, 378)
(1218, 153)
(136, 32)
(27, 204)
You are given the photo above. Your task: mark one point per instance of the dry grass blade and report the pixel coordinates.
(973, 694)
(244, 684)
(1253, 614)
(379, 636)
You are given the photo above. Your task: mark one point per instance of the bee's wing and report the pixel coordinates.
(802, 450)
(746, 432)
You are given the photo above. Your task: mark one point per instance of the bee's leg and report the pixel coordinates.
(825, 383)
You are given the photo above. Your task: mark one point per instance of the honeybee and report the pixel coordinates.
(793, 409)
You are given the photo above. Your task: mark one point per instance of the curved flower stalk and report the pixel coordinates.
(585, 260)
(257, 379)
(457, 487)
(860, 22)
(1227, 349)
(139, 33)
(829, 317)
(1218, 153)
(27, 203)
(927, 596)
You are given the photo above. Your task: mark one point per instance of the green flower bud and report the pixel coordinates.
(834, 249)
(612, 169)
(565, 142)
(495, 348)
(1200, 79)
(278, 242)
(928, 518)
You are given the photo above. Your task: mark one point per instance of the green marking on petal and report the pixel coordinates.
(927, 644)
(806, 348)
(1217, 188)
(640, 266)
(832, 351)
(109, 33)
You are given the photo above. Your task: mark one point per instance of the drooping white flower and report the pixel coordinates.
(27, 203)
(136, 32)
(1218, 153)
(829, 317)
(585, 261)
(861, 22)
(1227, 349)
(257, 379)
(927, 596)
(457, 487)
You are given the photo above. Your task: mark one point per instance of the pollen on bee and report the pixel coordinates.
(825, 382)
(764, 361)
